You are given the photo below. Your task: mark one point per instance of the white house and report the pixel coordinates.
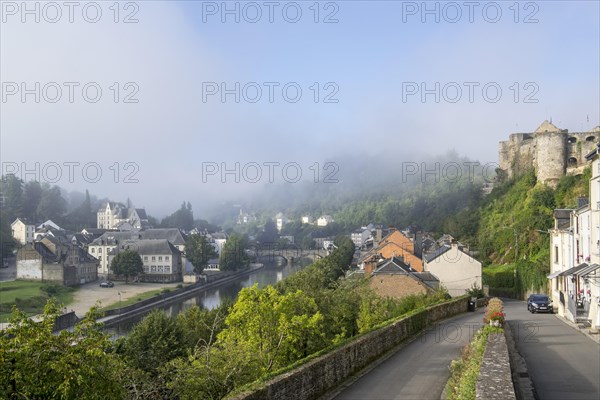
(280, 221)
(456, 270)
(49, 224)
(23, 231)
(113, 215)
(360, 236)
(575, 256)
(324, 220)
(307, 219)
(162, 261)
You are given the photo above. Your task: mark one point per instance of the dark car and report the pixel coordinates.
(539, 303)
(107, 284)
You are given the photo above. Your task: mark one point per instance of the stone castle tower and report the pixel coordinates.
(550, 151)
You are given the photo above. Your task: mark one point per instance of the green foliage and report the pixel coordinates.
(465, 371)
(199, 251)
(277, 328)
(36, 363)
(127, 263)
(233, 255)
(156, 340)
(30, 297)
(475, 291)
(182, 218)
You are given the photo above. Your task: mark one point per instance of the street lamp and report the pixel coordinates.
(119, 293)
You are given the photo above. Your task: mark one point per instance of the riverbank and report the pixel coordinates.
(118, 315)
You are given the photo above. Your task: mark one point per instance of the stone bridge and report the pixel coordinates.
(289, 253)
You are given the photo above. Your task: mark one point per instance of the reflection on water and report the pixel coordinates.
(271, 273)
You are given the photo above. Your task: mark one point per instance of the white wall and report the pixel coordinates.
(457, 271)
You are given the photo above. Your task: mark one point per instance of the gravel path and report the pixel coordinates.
(90, 293)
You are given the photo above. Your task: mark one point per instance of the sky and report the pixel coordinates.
(205, 101)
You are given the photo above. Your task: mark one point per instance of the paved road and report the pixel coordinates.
(10, 273)
(563, 363)
(420, 369)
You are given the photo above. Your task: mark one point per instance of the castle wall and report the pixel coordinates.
(551, 156)
(551, 151)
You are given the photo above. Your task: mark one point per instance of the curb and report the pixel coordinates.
(524, 389)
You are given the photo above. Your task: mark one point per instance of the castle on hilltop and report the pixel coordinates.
(552, 152)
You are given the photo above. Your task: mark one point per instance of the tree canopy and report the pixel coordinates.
(199, 251)
(127, 263)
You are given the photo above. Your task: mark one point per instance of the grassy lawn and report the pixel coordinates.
(133, 300)
(30, 297)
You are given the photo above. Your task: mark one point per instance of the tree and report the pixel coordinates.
(277, 328)
(269, 234)
(11, 188)
(198, 250)
(234, 255)
(52, 205)
(36, 363)
(32, 195)
(182, 218)
(127, 263)
(156, 340)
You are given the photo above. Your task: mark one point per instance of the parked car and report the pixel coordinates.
(539, 303)
(107, 284)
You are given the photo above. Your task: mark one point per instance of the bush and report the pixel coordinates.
(475, 291)
(494, 312)
(179, 286)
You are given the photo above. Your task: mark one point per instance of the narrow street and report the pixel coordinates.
(419, 370)
(562, 362)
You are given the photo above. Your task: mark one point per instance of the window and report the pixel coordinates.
(99, 250)
(161, 268)
(145, 258)
(93, 250)
(166, 258)
(168, 269)
(556, 254)
(153, 258)
(146, 269)
(153, 268)
(159, 258)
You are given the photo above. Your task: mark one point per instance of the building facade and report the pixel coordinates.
(23, 231)
(574, 279)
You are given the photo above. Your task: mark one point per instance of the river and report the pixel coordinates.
(271, 273)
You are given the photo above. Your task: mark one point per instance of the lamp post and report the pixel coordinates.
(119, 293)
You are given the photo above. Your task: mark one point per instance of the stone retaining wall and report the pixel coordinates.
(326, 372)
(495, 379)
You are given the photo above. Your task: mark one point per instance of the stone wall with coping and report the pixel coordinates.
(495, 378)
(318, 376)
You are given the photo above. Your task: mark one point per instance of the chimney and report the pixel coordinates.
(370, 267)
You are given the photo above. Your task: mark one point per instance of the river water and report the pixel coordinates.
(271, 273)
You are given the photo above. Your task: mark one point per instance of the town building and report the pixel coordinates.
(574, 279)
(108, 241)
(162, 260)
(324, 220)
(394, 244)
(23, 231)
(54, 261)
(394, 278)
(455, 269)
(280, 221)
(112, 215)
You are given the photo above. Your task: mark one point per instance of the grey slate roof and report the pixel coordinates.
(441, 250)
(148, 246)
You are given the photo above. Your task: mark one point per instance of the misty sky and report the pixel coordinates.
(364, 68)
